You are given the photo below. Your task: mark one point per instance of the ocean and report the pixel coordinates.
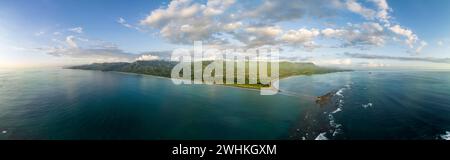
(64, 104)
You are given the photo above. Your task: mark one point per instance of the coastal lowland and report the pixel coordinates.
(163, 68)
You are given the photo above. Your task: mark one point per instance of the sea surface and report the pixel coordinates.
(76, 104)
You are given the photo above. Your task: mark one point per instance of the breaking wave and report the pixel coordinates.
(321, 136)
(446, 136)
(367, 105)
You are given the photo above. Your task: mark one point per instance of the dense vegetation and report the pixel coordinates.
(164, 69)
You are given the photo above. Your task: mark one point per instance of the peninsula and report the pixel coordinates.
(163, 68)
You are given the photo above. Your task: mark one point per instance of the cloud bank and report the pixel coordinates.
(422, 59)
(253, 24)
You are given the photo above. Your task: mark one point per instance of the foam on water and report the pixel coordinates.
(336, 127)
(446, 136)
(340, 92)
(337, 110)
(321, 136)
(341, 103)
(367, 105)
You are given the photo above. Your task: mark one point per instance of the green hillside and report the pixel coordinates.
(164, 69)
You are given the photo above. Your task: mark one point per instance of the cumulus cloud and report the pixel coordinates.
(220, 22)
(383, 11)
(254, 36)
(185, 21)
(411, 38)
(358, 35)
(147, 57)
(333, 33)
(300, 36)
(356, 7)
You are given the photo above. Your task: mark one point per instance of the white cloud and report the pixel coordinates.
(176, 10)
(333, 33)
(70, 40)
(265, 31)
(303, 37)
(76, 30)
(440, 43)
(383, 10)
(147, 57)
(333, 62)
(411, 38)
(216, 7)
(356, 7)
(219, 22)
(358, 35)
(185, 21)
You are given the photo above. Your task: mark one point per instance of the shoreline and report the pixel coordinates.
(223, 85)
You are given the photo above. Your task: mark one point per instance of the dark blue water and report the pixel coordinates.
(74, 104)
(382, 105)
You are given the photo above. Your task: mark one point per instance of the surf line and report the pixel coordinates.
(184, 150)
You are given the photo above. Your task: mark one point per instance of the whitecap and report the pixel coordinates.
(4, 132)
(337, 110)
(336, 126)
(340, 92)
(341, 103)
(336, 132)
(367, 105)
(321, 136)
(333, 122)
(331, 118)
(446, 136)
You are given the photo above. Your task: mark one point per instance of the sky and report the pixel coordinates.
(357, 34)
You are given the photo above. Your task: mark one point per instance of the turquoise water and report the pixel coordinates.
(75, 104)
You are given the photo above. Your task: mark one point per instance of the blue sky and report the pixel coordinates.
(344, 33)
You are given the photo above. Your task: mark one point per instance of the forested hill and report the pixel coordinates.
(164, 68)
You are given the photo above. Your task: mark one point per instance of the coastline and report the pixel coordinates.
(223, 85)
(140, 74)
